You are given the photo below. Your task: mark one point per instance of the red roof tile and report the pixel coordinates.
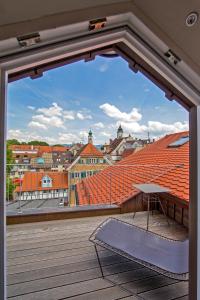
(127, 152)
(32, 181)
(114, 144)
(89, 150)
(156, 163)
(38, 148)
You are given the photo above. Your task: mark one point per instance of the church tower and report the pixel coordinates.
(120, 132)
(90, 137)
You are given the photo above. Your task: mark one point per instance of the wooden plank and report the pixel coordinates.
(172, 291)
(57, 261)
(50, 238)
(67, 290)
(105, 259)
(51, 282)
(140, 218)
(33, 245)
(111, 265)
(128, 276)
(48, 232)
(112, 293)
(49, 214)
(54, 262)
(25, 229)
(131, 298)
(119, 268)
(52, 255)
(146, 284)
(47, 249)
(56, 224)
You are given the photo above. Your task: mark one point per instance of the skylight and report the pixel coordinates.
(179, 142)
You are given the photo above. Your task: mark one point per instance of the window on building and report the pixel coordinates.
(179, 142)
(83, 174)
(46, 181)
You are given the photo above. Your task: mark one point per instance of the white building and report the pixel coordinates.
(42, 185)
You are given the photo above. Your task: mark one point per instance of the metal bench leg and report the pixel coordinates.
(100, 266)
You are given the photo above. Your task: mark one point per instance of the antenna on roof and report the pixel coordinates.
(148, 136)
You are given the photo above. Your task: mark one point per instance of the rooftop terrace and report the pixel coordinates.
(54, 260)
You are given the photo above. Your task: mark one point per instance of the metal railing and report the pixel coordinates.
(54, 186)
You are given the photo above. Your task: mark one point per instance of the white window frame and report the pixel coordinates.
(180, 77)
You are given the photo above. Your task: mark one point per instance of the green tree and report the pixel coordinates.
(9, 184)
(9, 159)
(38, 143)
(10, 187)
(13, 142)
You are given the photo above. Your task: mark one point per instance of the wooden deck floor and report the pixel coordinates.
(54, 260)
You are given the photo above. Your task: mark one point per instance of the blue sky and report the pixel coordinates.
(65, 103)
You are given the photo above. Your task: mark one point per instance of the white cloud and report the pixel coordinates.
(31, 107)
(103, 67)
(26, 136)
(99, 125)
(67, 138)
(83, 135)
(52, 121)
(82, 116)
(34, 124)
(68, 115)
(46, 117)
(154, 127)
(54, 110)
(56, 116)
(113, 112)
(133, 127)
(106, 134)
(15, 134)
(130, 122)
(157, 127)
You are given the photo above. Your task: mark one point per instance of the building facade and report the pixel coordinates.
(117, 148)
(89, 161)
(42, 185)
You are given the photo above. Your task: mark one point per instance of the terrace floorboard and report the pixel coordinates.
(54, 260)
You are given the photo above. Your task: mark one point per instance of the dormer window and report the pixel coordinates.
(179, 142)
(46, 181)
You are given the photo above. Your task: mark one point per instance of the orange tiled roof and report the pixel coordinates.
(32, 181)
(114, 144)
(127, 152)
(156, 163)
(22, 147)
(40, 149)
(89, 150)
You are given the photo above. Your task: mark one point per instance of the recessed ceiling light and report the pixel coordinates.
(191, 19)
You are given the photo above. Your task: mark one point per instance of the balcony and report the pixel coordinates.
(55, 260)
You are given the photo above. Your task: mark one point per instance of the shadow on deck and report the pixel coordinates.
(54, 260)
